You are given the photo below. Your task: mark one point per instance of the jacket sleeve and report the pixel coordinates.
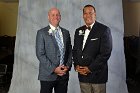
(45, 63)
(75, 48)
(69, 49)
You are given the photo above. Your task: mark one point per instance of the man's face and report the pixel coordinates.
(89, 15)
(54, 17)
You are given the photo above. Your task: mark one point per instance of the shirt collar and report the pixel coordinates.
(53, 28)
(92, 24)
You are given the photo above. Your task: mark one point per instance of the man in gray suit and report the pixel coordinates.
(54, 55)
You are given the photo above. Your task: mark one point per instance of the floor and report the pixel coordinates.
(133, 86)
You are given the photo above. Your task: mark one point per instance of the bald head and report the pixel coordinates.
(54, 16)
(53, 9)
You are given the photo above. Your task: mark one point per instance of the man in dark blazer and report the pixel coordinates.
(55, 59)
(91, 51)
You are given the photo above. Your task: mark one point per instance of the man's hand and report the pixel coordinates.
(61, 70)
(83, 70)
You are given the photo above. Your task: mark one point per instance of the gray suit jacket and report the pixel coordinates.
(48, 53)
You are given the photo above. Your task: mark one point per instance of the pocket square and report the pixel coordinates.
(94, 39)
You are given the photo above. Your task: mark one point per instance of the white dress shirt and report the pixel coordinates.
(86, 35)
(59, 31)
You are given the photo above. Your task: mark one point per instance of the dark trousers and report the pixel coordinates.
(59, 86)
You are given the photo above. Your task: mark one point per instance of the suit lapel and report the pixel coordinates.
(52, 38)
(55, 42)
(64, 37)
(81, 38)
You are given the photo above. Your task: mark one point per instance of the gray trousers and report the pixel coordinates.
(92, 88)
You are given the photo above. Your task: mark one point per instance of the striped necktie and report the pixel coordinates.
(60, 45)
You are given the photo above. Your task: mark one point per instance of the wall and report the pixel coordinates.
(8, 18)
(131, 18)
